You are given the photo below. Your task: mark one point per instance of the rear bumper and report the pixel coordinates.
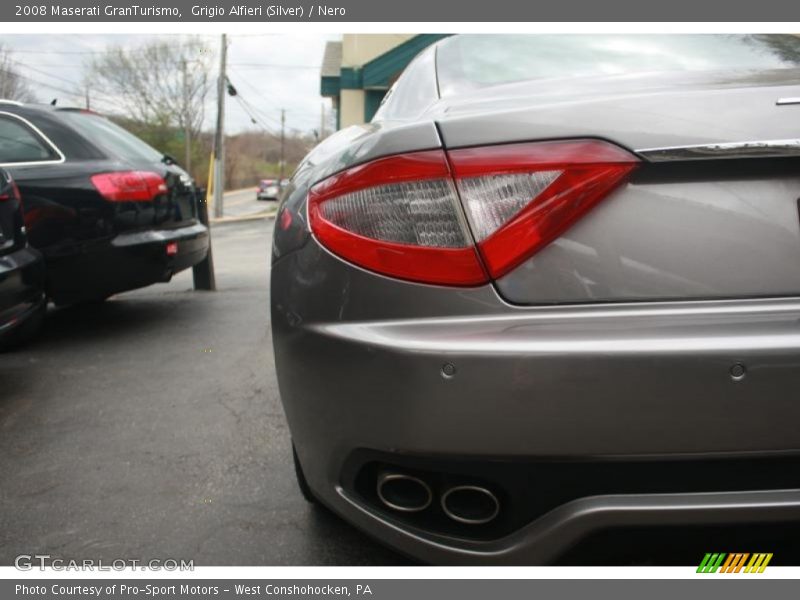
(582, 383)
(617, 382)
(556, 532)
(21, 287)
(125, 262)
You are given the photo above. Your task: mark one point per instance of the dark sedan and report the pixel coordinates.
(109, 212)
(22, 303)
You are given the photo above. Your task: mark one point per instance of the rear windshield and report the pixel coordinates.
(476, 61)
(111, 137)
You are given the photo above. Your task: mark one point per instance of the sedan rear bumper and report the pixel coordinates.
(125, 262)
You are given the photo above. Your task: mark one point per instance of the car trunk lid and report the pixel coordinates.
(638, 112)
(710, 212)
(174, 206)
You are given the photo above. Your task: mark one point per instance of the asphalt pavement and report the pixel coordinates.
(150, 427)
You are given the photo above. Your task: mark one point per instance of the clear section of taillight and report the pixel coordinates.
(491, 201)
(399, 216)
(420, 213)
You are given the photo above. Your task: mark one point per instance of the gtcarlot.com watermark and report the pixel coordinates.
(29, 562)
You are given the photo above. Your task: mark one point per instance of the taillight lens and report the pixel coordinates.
(13, 191)
(129, 186)
(398, 216)
(521, 197)
(401, 215)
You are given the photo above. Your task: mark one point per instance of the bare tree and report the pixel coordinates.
(162, 83)
(12, 84)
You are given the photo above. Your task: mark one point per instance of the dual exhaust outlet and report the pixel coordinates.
(467, 504)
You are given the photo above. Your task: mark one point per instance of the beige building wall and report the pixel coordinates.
(359, 48)
(351, 108)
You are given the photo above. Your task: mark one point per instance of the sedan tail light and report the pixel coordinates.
(402, 216)
(13, 191)
(129, 186)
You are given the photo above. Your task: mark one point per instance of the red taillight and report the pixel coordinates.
(129, 186)
(398, 216)
(521, 197)
(285, 219)
(402, 216)
(13, 193)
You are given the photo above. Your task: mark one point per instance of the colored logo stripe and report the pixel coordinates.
(711, 563)
(734, 562)
(758, 563)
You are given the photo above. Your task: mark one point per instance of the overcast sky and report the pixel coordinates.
(269, 71)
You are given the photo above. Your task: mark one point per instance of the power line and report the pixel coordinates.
(39, 82)
(256, 114)
(258, 93)
(49, 86)
(249, 110)
(56, 65)
(274, 66)
(78, 85)
(45, 73)
(242, 79)
(253, 119)
(262, 114)
(110, 49)
(59, 52)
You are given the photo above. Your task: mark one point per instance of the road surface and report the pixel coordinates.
(150, 427)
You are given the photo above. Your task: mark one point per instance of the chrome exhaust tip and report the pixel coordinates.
(470, 504)
(404, 493)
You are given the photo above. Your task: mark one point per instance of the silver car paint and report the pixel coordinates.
(739, 237)
(359, 356)
(698, 239)
(637, 113)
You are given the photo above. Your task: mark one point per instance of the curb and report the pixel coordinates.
(251, 188)
(266, 214)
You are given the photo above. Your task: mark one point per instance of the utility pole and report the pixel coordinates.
(219, 135)
(88, 103)
(322, 121)
(283, 141)
(187, 129)
(204, 277)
